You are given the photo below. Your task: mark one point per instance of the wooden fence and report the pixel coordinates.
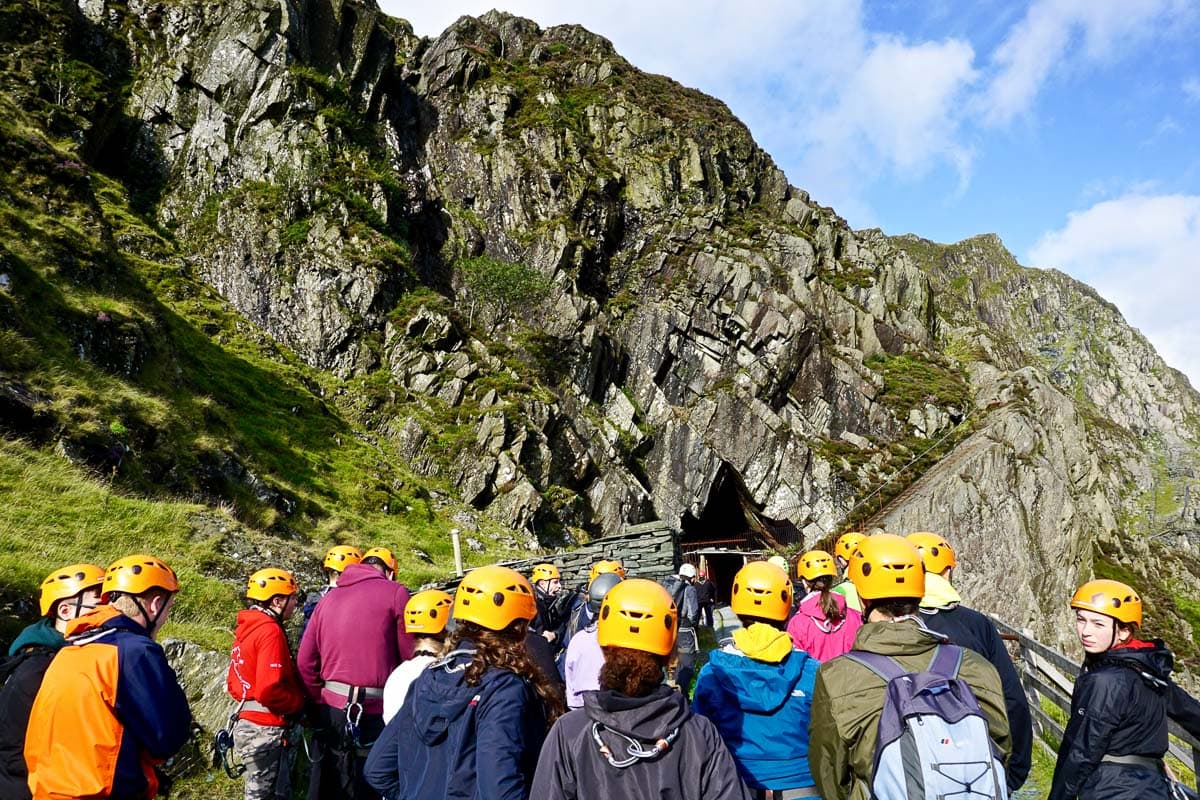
(1048, 674)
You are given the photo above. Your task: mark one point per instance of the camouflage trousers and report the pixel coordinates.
(268, 751)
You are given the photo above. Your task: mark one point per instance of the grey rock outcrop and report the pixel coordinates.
(705, 342)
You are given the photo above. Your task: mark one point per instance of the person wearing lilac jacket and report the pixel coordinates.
(584, 658)
(355, 639)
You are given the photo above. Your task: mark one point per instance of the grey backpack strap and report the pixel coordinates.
(947, 659)
(885, 667)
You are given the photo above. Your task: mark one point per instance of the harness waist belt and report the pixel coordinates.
(254, 705)
(1134, 761)
(786, 794)
(344, 689)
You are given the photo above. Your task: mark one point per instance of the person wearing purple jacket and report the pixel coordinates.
(584, 658)
(355, 639)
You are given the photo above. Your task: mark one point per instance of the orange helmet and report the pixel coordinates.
(544, 572)
(638, 614)
(340, 556)
(936, 552)
(816, 564)
(493, 597)
(602, 567)
(847, 543)
(137, 574)
(886, 565)
(761, 589)
(427, 612)
(266, 583)
(68, 582)
(1112, 598)
(384, 555)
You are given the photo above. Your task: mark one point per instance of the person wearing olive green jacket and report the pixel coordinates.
(848, 698)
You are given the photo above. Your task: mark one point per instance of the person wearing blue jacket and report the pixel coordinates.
(473, 723)
(758, 690)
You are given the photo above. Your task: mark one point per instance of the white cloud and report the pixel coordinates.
(1191, 89)
(1056, 34)
(1142, 252)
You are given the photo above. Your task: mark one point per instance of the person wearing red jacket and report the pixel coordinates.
(263, 680)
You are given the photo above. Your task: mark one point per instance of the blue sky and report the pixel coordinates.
(1068, 127)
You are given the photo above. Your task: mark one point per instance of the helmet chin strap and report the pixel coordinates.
(151, 622)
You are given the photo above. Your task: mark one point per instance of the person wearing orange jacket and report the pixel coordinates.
(263, 680)
(66, 593)
(110, 707)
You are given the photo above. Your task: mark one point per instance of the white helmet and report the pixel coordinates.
(687, 571)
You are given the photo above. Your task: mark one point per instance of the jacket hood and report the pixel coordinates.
(360, 573)
(40, 634)
(906, 637)
(102, 617)
(251, 619)
(1152, 660)
(758, 686)
(763, 643)
(939, 592)
(445, 696)
(647, 718)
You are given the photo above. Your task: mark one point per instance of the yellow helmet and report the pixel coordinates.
(936, 552)
(493, 597)
(816, 564)
(886, 565)
(544, 572)
(1112, 598)
(762, 589)
(638, 614)
(847, 543)
(68, 582)
(340, 556)
(266, 583)
(427, 612)
(602, 567)
(137, 574)
(384, 555)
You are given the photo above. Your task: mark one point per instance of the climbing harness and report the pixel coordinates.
(635, 749)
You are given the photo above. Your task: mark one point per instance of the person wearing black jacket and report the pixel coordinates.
(942, 611)
(706, 598)
(1114, 743)
(635, 737)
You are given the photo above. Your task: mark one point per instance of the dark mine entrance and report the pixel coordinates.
(730, 531)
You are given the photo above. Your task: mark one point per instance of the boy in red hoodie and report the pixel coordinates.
(263, 680)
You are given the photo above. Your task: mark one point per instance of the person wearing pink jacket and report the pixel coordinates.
(823, 626)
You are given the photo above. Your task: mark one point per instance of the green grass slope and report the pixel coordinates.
(146, 400)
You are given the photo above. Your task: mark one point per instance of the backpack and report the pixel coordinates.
(677, 587)
(933, 737)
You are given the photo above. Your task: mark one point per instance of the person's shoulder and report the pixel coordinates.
(977, 671)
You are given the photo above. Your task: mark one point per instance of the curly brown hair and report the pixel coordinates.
(505, 649)
(633, 673)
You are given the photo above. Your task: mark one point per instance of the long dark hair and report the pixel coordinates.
(829, 606)
(505, 649)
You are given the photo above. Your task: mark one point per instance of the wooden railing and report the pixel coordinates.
(1048, 674)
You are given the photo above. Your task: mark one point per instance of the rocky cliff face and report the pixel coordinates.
(583, 295)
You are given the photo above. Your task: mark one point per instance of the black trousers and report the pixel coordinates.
(337, 760)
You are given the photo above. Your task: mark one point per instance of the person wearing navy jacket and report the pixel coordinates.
(472, 723)
(942, 611)
(1116, 738)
